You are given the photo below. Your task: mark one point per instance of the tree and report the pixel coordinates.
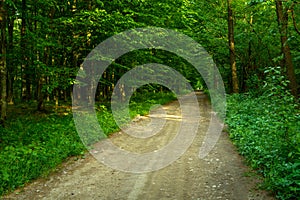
(235, 83)
(282, 18)
(3, 103)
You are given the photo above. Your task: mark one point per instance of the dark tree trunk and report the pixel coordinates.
(89, 4)
(282, 17)
(10, 67)
(3, 74)
(25, 94)
(40, 94)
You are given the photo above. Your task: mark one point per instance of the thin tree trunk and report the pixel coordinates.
(282, 18)
(10, 69)
(56, 97)
(235, 82)
(89, 4)
(40, 94)
(3, 103)
(24, 92)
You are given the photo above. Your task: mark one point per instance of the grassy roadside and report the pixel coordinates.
(33, 145)
(266, 130)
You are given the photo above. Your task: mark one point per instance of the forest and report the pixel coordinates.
(254, 44)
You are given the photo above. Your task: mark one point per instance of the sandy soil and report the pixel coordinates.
(220, 175)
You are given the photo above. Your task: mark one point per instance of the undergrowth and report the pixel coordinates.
(265, 127)
(33, 145)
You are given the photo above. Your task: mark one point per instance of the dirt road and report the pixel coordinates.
(220, 175)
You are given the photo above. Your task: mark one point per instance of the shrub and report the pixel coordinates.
(266, 130)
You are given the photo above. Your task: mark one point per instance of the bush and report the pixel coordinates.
(266, 130)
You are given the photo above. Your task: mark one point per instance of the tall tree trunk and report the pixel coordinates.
(3, 103)
(10, 68)
(24, 86)
(235, 82)
(282, 18)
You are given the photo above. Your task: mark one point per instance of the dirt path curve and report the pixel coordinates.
(220, 175)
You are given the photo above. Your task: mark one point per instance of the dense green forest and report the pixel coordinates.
(254, 44)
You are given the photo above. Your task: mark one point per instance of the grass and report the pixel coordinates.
(32, 145)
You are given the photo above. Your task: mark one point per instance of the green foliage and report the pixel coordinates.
(32, 146)
(266, 130)
(273, 84)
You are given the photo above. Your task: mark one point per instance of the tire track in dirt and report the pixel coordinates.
(220, 175)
